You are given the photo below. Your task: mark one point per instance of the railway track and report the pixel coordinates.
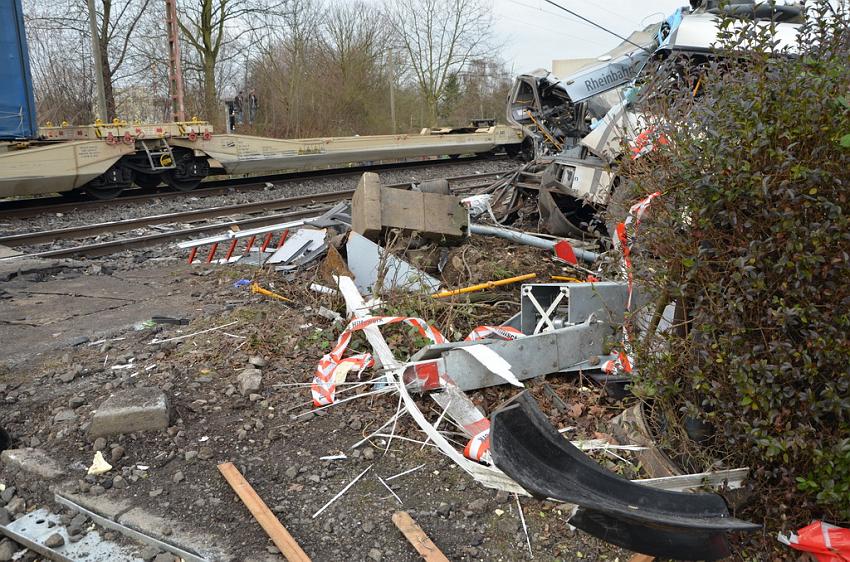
(24, 208)
(107, 247)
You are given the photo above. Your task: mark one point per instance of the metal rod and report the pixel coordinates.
(266, 242)
(483, 286)
(230, 250)
(212, 252)
(527, 239)
(250, 244)
(283, 238)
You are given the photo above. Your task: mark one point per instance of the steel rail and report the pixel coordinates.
(45, 236)
(72, 232)
(23, 208)
(111, 246)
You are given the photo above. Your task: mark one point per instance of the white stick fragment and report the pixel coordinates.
(341, 492)
(524, 527)
(405, 472)
(387, 486)
(339, 457)
(390, 436)
(155, 341)
(338, 402)
(395, 421)
(386, 423)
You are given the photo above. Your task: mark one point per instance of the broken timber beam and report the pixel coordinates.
(261, 512)
(417, 537)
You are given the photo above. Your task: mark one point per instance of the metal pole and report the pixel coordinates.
(98, 63)
(528, 239)
(175, 70)
(392, 91)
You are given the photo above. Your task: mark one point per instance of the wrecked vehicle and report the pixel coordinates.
(576, 178)
(556, 114)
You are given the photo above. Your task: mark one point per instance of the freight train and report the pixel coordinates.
(104, 159)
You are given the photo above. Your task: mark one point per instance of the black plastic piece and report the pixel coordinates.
(679, 525)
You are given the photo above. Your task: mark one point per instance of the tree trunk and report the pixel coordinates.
(432, 110)
(210, 98)
(108, 91)
(105, 67)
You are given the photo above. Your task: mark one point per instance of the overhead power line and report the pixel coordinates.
(594, 24)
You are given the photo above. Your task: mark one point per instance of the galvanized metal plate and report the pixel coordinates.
(34, 528)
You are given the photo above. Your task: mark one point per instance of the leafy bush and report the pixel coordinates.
(751, 236)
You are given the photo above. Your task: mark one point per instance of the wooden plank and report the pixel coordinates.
(417, 537)
(366, 206)
(267, 520)
(641, 558)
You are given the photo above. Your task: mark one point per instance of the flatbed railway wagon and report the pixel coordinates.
(103, 159)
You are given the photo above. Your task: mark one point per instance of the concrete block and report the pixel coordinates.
(433, 215)
(128, 411)
(34, 461)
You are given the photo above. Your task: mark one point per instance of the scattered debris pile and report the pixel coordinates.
(485, 336)
(394, 246)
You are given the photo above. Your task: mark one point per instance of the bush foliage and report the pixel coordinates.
(751, 236)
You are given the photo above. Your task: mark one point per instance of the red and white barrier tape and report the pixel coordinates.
(324, 380)
(429, 375)
(504, 332)
(624, 361)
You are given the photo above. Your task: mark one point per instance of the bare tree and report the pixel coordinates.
(117, 21)
(439, 38)
(355, 48)
(285, 73)
(214, 28)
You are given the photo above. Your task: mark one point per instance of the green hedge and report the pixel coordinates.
(752, 236)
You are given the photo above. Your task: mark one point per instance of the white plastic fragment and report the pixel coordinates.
(99, 465)
(387, 486)
(493, 362)
(341, 492)
(405, 472)
(315, 287)
(524, 527)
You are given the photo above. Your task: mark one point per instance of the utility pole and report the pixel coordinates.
(392, 91)
(98, 63)
(175, 70)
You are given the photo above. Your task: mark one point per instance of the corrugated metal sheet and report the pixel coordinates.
(17, 105)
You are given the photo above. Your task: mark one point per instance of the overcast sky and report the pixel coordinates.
(533, 32)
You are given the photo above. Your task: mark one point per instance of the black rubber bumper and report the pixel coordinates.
(679, 525)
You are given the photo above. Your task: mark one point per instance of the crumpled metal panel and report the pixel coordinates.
(526, 447)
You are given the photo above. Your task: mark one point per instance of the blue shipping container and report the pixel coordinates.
(17, 104)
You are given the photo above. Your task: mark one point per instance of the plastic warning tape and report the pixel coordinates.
(623, 363)
(427, 375)
(478, 448)
(324, 379)
(504, 332)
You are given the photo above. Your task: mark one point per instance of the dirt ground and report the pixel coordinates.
(57, 369)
